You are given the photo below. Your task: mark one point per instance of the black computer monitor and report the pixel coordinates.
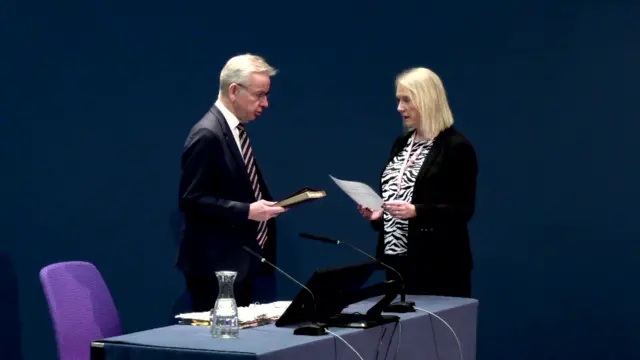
(332, 290)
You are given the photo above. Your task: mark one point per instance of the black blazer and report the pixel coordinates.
(444, 195)
(214, 196)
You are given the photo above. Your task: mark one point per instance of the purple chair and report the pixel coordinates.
(80, 306)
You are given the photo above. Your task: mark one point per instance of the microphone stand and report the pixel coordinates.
(313, 329)
(402, 306)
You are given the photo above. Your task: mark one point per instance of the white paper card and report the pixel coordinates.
(361, 193)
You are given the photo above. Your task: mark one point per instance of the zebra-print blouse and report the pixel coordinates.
(396, 231)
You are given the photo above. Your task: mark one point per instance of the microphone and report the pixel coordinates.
(311, 329)
(401, 306)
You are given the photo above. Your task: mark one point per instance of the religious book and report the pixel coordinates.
(303, 195)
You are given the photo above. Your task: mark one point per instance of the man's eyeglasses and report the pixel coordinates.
(258, 95)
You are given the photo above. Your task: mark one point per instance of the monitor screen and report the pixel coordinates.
(331, 290)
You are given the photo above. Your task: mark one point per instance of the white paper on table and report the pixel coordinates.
(361, 193)
(246, 313)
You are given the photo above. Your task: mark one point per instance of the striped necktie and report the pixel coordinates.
(250, 163)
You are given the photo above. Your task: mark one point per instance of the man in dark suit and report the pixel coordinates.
(224, 199)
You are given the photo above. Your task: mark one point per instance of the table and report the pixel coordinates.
(421, 335)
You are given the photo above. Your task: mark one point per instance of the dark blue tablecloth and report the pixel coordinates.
(420, 336)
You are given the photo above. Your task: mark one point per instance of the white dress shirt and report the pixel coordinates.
(232, 120)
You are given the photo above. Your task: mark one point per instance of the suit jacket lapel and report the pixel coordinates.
(434, 152)
(231, 143)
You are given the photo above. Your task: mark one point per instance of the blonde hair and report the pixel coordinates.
(427, 92)
(238, 69)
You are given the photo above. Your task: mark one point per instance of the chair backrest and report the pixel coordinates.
(80, 306)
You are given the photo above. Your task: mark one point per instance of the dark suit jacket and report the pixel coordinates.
(215, 194)
(444, 196)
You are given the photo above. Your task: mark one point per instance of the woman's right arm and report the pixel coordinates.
(377, 225)
(375, 217)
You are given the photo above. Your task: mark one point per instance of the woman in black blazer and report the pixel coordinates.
(429, 190)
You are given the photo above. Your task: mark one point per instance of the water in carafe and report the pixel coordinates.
(224, 315)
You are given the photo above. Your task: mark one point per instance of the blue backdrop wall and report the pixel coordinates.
(99, 95)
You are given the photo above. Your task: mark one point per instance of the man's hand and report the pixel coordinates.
(400, 209)
(368, 214)
(263, 210)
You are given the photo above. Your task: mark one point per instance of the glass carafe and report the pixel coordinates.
(224, 315)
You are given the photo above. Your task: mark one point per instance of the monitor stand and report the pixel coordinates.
(374, 316)
(311, 330)
(360, 321)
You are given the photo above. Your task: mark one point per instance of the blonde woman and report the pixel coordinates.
(429, 189)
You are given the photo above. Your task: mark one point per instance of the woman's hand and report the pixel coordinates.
(400, 209)
(368, 214)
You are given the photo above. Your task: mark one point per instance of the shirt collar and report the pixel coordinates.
(231, 119)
